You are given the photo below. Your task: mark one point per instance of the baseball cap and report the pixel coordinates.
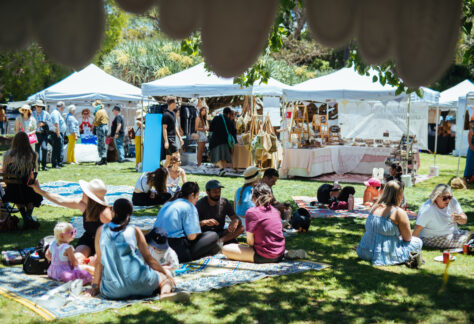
(157, 238)
(213, 184)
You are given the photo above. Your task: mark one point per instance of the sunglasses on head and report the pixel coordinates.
(446, 198)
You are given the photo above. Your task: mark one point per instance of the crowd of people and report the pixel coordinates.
(188, 227)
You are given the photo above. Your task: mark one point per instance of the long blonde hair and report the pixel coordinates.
(439, 190)
(392, 194)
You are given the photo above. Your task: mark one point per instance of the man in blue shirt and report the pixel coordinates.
(58, 135)
(44, 126)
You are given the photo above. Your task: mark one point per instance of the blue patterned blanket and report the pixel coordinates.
(73, 190)
(199, 276)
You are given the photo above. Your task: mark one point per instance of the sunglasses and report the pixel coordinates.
(446, 198)
(72, 232)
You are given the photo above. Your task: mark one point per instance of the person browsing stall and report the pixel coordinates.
(221, 127)
(169, 130)
(117, 133)
(57, 138)
(43, 127)
(72, 133)
(213, 210)
(101, 122)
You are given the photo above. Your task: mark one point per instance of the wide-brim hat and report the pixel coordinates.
(39, 103)
(157, 238)
(140, 113)
(23, 108)
(95, 190)
(251, 174)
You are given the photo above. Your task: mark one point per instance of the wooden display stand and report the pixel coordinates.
(299, 122)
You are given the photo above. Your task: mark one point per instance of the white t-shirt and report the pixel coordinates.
(437, 221)
(166, 257)
(142, 184)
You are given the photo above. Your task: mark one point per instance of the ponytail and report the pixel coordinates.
(187, 189)
(123, 209)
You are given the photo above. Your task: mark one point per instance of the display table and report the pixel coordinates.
(338, 158)
(84, 153)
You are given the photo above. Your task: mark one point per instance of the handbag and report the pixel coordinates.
(108, 140)
(230, 138)
(195, 136)
(31, 137)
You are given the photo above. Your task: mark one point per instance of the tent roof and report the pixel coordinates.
(343, 84)
(89, 84)
(451, 96)
(196, 81)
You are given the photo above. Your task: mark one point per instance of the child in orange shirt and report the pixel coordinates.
(371, 193)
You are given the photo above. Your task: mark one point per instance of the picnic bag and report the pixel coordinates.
(8, 223)
(230, 138)
(301, 220)
(36, 262)
(108, 140)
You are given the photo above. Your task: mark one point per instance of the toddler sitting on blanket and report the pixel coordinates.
(160, 250)
(64, 265)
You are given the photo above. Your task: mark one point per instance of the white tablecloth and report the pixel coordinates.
(339, 159)
(84, 153)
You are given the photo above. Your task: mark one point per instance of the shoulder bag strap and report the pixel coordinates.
(225, 124)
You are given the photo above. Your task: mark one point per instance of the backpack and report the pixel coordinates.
(36, 262)
(301, 220)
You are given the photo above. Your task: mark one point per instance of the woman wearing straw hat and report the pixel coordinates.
(94, 208)
(243, 195)
(137, 128)
(25, 122)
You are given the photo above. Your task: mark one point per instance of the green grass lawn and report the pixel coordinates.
(351, 290)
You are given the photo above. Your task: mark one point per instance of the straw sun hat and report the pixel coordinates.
(140, 114)
(95, 190)
(251, 174)
(23, 108)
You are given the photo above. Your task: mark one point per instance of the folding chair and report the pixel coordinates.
(5, 206)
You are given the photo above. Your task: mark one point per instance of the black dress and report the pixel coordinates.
(88, 238)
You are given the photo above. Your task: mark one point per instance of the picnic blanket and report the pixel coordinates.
(146, 222)
(321, 211)
(199, 276)
(73, 190)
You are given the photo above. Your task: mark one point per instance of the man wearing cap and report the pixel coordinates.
(213, 210)
(117, 133)
(43, 127)
(57, 138)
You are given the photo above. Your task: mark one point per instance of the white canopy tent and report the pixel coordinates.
(455, 98)
(89, 84)
(366, 108)
(343, 84)
(197, 82)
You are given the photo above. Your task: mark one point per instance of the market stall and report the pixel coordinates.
(344, 122)
(197, 82)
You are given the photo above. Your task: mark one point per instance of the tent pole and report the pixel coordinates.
(142, 133)
(436, 135)
(408, 133)
(462, 133)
